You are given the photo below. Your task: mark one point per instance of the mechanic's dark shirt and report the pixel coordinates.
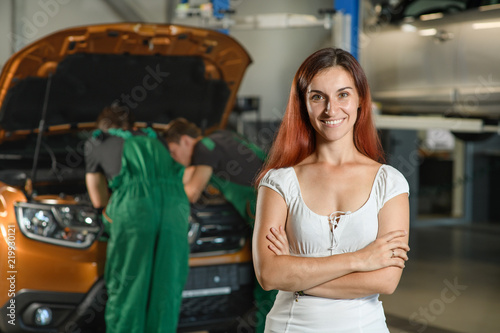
(229, 156)
(104, 154)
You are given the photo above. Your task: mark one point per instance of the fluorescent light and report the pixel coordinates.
(429, 17)
(408, 28)
(486, 25)
(489, 7)
(427, 32)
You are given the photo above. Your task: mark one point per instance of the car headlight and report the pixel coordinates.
(65, 225)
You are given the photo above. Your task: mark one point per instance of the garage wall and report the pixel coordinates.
(37, 18)
(276, 53)
(5, 28)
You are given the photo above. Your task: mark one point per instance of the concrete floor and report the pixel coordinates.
(450, 284)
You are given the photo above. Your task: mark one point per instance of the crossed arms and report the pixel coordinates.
(365, 272)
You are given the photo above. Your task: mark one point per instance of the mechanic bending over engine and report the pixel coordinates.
(226, 161)
(147, 220)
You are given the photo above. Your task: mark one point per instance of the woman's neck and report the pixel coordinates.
(336, 152)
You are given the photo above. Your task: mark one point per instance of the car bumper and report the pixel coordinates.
(71, 312)
(214, 297)
(217, 296)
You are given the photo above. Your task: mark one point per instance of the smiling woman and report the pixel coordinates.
(332, 103)
(331, 227)
(296, 139)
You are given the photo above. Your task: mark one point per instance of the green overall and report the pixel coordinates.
(147, 253)
(244, 199)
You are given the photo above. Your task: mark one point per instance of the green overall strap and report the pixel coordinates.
(210, 145)
(253, 147)
(138, 152)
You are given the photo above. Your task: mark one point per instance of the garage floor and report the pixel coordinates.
(451, 283)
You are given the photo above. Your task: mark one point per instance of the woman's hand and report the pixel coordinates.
(388, 250)
(279, 242)
(385, 251)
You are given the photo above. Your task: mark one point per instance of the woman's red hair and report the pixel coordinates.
(296, 138)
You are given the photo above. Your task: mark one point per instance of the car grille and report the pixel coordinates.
(216, 229)
(216, 294)
(220, 277)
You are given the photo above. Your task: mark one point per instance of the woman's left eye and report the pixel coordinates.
(343, 95)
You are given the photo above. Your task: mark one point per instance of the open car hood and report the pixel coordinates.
(160, 72)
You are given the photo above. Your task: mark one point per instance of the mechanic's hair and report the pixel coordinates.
(179, 127)
(296, 137)
(115, 117)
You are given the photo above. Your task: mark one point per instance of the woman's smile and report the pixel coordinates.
(334, 122)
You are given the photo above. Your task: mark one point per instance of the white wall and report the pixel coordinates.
(5, 28)
(37, 18)
(42, 17)
(276, 53)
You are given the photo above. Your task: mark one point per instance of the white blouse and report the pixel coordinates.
(313, 235)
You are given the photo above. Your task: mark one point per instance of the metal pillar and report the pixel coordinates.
(402, 153)
(125, 11)
(350, 11)
(170, 11)
(20, 33)
(221, 10)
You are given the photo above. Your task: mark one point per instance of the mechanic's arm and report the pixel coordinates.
(196, 183)
(97, 186)
(188, 173)
(393, 216)
(292, 273)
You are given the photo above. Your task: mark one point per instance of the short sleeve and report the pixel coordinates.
(206, 154)
(274, 180)
(104, 155)
(395, 184)
(92, 164)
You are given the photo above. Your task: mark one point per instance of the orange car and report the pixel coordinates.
(52, 250)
